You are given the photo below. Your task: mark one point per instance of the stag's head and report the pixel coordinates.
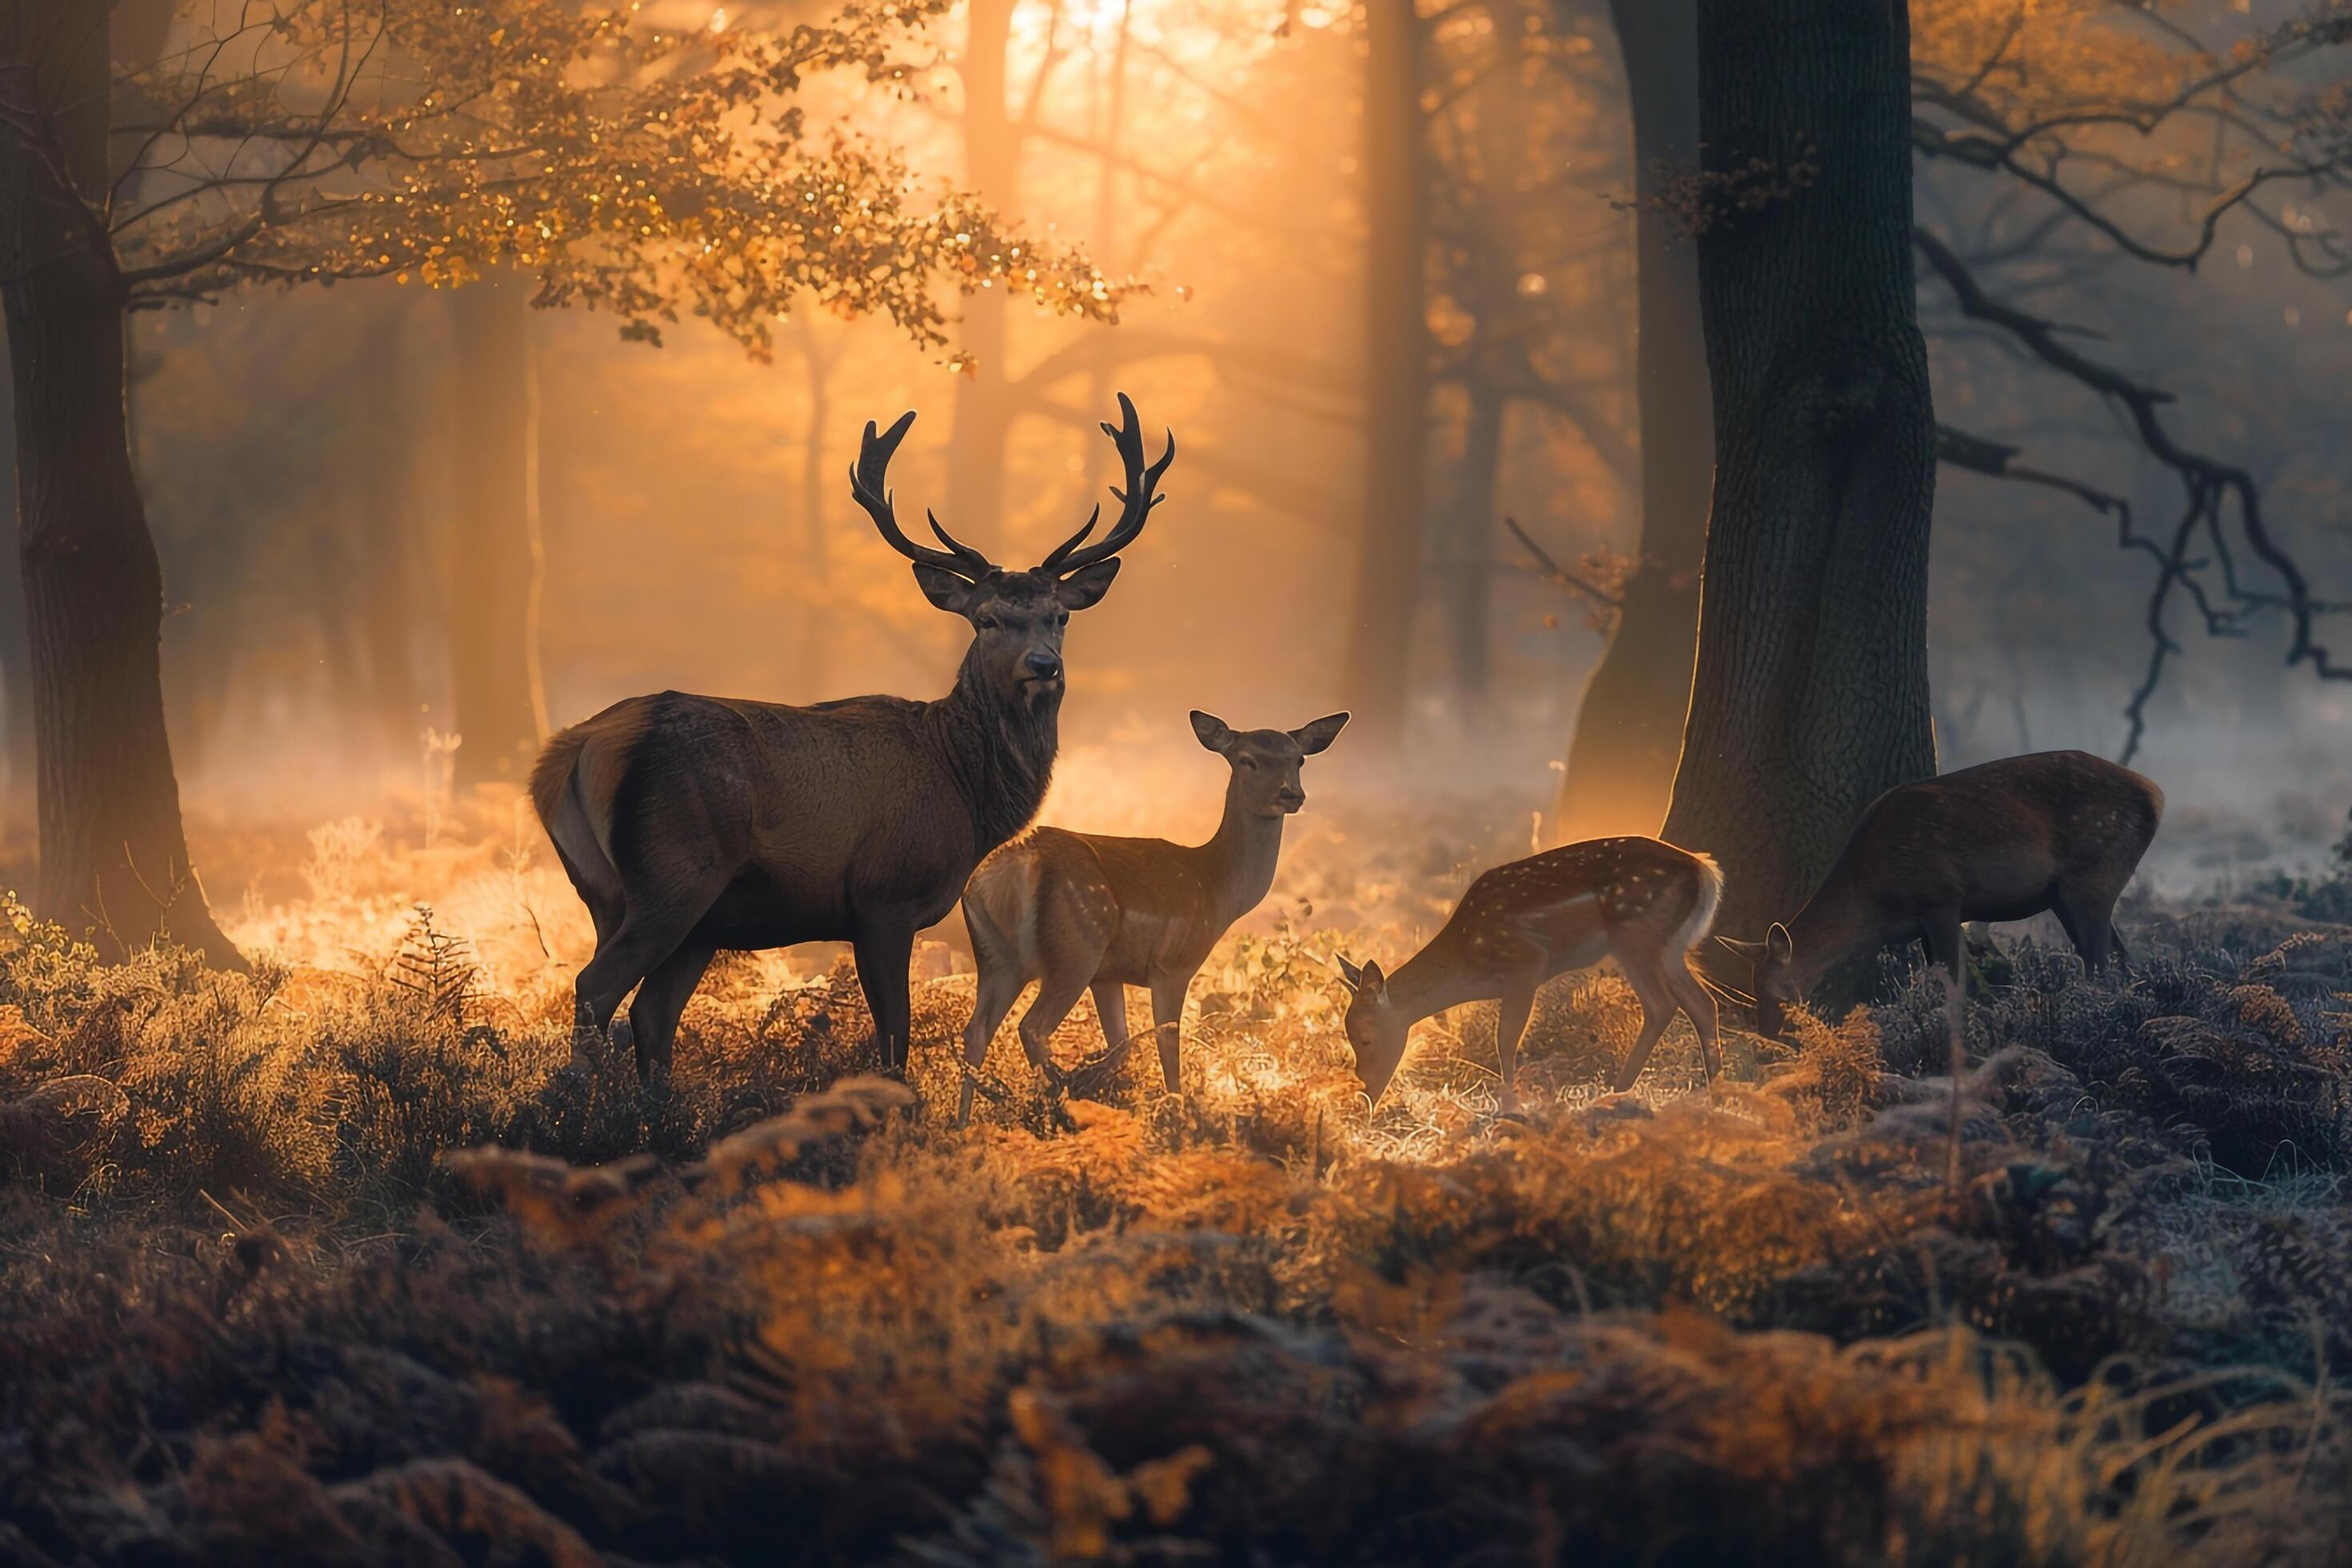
(1376, 1026)
(1265, 763)
(1017, 618)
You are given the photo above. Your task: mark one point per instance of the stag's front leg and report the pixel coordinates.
(884, 955)
(1167, 1025)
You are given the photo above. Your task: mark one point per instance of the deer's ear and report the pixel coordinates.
(943, 588)
(1779, 944)
(1214, 731)
(1374, 981)
(1319, 735)
(1349, 974)
(1084, 588)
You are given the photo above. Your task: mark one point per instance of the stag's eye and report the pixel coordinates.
(986, 622)
(1249, 763)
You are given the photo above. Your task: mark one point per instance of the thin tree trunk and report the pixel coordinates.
(816, 568)
(1810, 690)
(114, 859)
(16, 760)
(1470, 552)
(1629, 727)
(1396, 376)
(494, 590)
(386, 514)
(983, 403)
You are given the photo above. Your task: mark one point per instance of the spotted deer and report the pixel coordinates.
(2061, 831)
(692, 824)
(1079, 911)
(1644, 903)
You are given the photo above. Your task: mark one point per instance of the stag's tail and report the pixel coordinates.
(556, 794)
(1710, 898)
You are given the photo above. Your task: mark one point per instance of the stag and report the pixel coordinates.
(2061, 831)
(1075, 911)
(1642, 903)
(692, 824)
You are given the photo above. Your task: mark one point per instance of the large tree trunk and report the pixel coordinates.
(1628, 728)
(114, 859)
(983, 403)
(16, 760)
(495, 556)
(1810, 690)
(1396, 377)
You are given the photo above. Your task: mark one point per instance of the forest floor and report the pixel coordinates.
(258, 1300)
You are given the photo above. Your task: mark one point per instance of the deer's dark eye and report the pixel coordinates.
(985, 623)
(1246, 762)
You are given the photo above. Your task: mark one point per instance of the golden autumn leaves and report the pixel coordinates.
(652, 174)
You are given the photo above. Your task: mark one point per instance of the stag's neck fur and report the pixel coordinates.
(1239, 863)
(1001, 754)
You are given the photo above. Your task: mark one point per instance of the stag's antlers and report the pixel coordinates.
(1135, 501)
(865, 478)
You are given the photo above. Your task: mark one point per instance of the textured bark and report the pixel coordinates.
(983, 403)
(113, 858)
(494, 590)
(1629, 727)
(1810, 695)
(15, 635)
(1396, 377)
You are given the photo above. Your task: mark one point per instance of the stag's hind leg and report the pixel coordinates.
(2087, 910)
(649, 934)
(660, 1001)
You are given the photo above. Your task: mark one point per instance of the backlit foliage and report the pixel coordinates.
(628, 168)
(340, 1261)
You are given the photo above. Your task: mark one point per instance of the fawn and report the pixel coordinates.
(2061, 831)
(1079, 912)
(1644, 903)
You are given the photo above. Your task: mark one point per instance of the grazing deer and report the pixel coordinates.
(692, 824)
(2061, 831)
(1077, 911)
(1644, 903)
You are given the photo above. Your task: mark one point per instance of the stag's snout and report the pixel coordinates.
(1043, 666)
(1289, 800)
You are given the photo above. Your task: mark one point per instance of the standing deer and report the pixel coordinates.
(1077, 911)
(1644, 903)
(692, 824)
(2061, 831)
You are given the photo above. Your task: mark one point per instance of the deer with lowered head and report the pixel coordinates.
(692, 824)
(2061, 831)
(1640, 901)
(1079, 912)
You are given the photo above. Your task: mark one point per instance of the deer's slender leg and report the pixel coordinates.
(1000, 987)
(1110, 1012)
(883, 953)
(1168, 1026)
(1510, 1025)
(1658, 1005)
(661, 999)
(2089, 918)
(1699, 1007)
(1056, 994)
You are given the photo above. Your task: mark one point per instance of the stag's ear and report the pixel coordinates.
(1349, 974)
(1753, 952)
(1319, 735)
(1084, 588)
(1779, 944)
(1374, 981)
(943, 588)
(1214, 731)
